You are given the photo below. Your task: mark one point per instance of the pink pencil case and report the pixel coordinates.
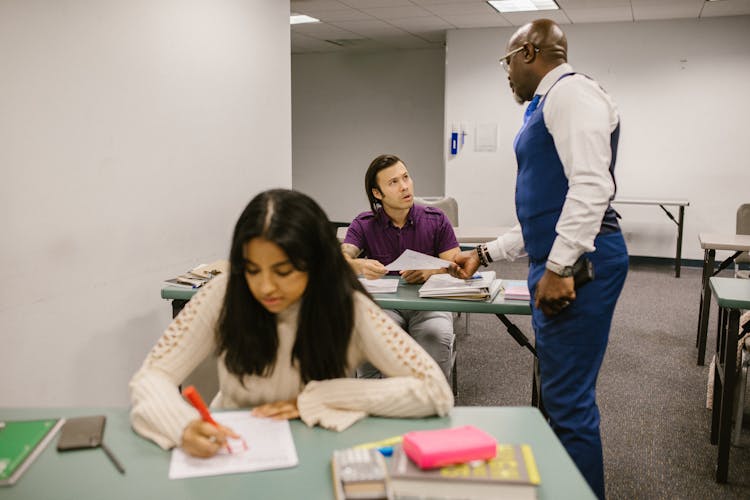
(440, 447)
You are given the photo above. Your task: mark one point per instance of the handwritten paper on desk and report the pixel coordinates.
(412, 261)
(269, 446)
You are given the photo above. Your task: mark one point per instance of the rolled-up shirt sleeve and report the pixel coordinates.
(509, 246)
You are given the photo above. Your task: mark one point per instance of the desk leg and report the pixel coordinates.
(523, 341)
(678, 253)
(721, 323)
(177, 305)
(516, 333)
(729, 362)
(709, 258)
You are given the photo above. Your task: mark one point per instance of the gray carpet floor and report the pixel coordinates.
(651, 392)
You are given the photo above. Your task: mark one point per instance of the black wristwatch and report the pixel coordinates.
(560, 270)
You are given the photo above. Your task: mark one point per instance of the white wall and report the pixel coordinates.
(132, 134)
(681, 87)
(348, 108)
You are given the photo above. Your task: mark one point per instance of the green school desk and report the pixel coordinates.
(88, 474)
(680, 220)
(710, 242)
(732, 295)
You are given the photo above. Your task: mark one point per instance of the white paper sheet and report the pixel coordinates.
(269, 446)
(412, 261)
(383, 285)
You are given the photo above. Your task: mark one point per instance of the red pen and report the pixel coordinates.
(192, 395)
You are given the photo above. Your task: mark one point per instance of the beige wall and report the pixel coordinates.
(132, 134)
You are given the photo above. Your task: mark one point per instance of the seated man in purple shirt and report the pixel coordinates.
(395, 224)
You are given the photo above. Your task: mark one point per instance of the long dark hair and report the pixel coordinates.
(247, 331)
(371, 177)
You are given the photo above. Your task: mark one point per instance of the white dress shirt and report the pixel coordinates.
(581, 117)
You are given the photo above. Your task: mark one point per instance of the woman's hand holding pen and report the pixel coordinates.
(280, 410)
(203, 439)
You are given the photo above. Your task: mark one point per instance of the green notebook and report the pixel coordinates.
(21, 441)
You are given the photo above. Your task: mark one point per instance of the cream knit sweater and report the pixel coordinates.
(415, 386)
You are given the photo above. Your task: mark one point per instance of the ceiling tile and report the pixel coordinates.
(413, 24)
(666, 9)
(422, 23)
(322, 31)
(462, 9)
(342, 15)
(586, 4)
(477, 21)
(443, 2)
(370, 4)
(371, 28)
(600, 14)
(389, 13)
(301, 7)
(726, 8)
(521, 18)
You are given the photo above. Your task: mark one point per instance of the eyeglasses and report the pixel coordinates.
(505, 60)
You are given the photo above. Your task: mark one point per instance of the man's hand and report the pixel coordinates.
(370, 269)
(202, 439)
(419, 275)
(279, 410)
(554, 293)
(466, 264)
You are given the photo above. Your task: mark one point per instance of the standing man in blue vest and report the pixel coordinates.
(566, 152)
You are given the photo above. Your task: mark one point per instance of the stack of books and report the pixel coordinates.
(483, 286)
(199, 275)
(508, 471)
(516, 290)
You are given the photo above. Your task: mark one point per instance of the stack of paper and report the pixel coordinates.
(516, 290)
(268, 444)
(382, 285)
(411, 260)
(483, 286)
(199, 275)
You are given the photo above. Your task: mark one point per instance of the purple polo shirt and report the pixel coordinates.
(427, 230)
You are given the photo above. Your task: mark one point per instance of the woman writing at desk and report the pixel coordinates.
(289, 322)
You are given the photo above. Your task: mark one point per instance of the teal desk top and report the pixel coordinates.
(88, 474)
(407, 298)
(731, 293)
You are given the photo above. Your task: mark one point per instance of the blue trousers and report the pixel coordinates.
(571, 346)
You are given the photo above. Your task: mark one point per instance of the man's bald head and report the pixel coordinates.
(535, 49)
(545, 35)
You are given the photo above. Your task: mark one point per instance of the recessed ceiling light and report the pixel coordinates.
(301, 18)
(523, 5)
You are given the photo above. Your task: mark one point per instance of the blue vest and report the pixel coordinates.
(541, 185)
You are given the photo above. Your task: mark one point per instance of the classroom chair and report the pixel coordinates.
(743, 367)
(743, 227)
(447, 204)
